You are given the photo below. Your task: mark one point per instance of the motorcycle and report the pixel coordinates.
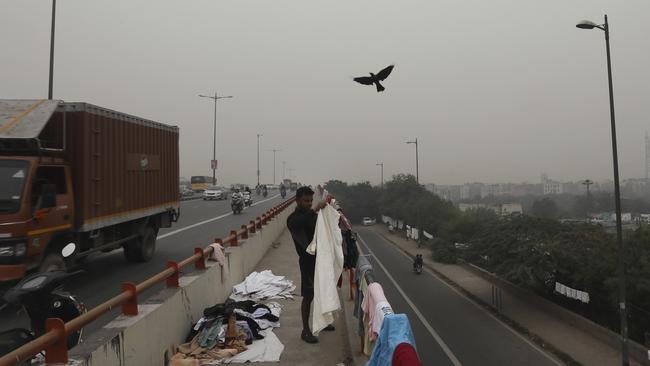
(265, 193)
(248, 200)
(237, 204)
(283, 193)
(417, 268)
(42, 296)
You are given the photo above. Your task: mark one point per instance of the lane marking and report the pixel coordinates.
(417, 312)
(457, 291)
(208, 220)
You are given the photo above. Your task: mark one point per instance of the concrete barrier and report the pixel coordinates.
(165, 319)
(637, 351)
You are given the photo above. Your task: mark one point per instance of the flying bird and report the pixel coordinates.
(375, 79)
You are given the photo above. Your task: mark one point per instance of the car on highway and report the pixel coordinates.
(185, 191)
(215, 193)
(367, 221)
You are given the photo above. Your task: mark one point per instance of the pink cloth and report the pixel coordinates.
(374, 295)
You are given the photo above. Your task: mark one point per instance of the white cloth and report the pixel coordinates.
(327, 245)
(219, 255)
(382, 309)
(268, 349)
(320, 195)
(572, 293)
(263, 323)
(263, 285)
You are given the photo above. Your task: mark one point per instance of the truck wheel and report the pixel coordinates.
(143, 248)
(52, 262)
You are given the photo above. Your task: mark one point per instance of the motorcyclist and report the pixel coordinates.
(264, 191)
(417, 261)
(283, 191)
(237, 195)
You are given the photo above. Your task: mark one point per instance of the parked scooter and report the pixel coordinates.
(42, 296)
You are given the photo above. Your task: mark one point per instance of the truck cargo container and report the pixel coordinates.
(75, 172)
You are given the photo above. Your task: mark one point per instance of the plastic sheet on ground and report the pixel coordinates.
(263, 286)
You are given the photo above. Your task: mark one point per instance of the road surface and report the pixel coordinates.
(200, 223)
(449, 328)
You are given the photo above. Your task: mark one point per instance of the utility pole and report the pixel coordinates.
(274, 151)
(382, 173)
(214, 135)
(258, 159)
(51, 80)
(284, 170)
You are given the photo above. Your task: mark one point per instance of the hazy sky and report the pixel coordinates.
(494, 90)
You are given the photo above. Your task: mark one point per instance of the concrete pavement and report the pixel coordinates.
(580, 346)
(333, 348)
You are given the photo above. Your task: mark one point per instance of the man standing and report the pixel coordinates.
(302, 225)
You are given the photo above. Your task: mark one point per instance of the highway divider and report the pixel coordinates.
(143, 333)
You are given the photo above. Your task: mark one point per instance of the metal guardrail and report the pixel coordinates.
(56, 331)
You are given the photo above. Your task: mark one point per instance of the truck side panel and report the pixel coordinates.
(123, 167)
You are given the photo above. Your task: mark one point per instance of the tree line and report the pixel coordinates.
(532, 252)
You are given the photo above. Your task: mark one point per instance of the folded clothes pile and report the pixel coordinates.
(263, 286)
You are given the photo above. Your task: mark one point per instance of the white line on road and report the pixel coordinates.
(208, 220)
(462, 295)
(417, 312)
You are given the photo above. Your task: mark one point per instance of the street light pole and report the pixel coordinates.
(417, 163)
(216, 97)
(51, 78)
(625, 358)
(284, 170)
(258, 160)
(274, 151)
(382, 173)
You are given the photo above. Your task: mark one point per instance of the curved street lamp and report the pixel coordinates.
(625, 358)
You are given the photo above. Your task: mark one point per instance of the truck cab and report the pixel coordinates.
(36, 205)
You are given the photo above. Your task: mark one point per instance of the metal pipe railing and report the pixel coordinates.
(53, 341)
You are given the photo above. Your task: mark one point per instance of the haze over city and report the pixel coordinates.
(495, 91)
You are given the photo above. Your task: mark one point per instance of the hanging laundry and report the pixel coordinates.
(395, 331)
(374, 296)
(327, 245)
(572, 293)
(219, 255)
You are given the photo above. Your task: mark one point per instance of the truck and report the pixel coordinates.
(83, 174)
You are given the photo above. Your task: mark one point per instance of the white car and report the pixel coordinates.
(367, 221)
(215, 193)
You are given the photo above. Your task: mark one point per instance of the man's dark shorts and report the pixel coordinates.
(307, 269)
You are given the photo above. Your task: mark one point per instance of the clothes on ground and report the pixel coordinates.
(373, 296)
(262, 286)
(572, 293)
(248, 337)
(219, 255)
(329, 266)
(302, 225)
(395, 331)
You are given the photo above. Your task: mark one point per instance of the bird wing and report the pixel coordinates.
(365, 80)
(383, 74)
